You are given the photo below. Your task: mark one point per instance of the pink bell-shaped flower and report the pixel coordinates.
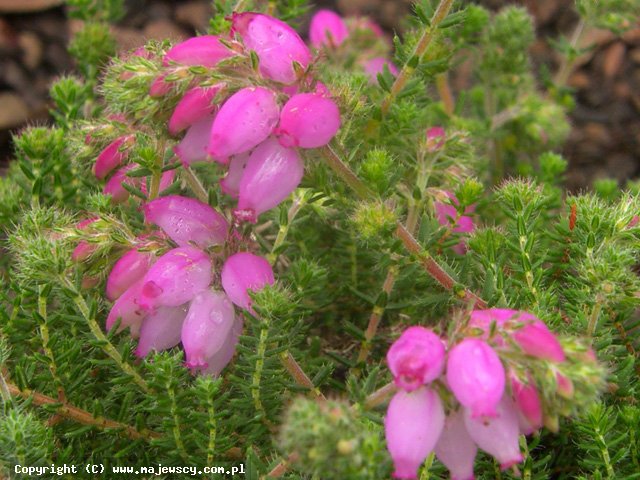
(175, 278)
(193, 147)
(412, 426)
(308, 120)
(206, 327)
(276, 44)
(528, 405)
(129, 268)
(435, 139)
(187, 221)
(114, 187)
(242, 272)
(272, 173)
(195, 105)
(230, 184)
(206, 50)
(455, 448)
(447, 215)
(416, 358)
(222, 357)
(112, 156)
(159, 87)
(161, 330)
(497, 436)
(564, 386)
(128, 309)
(247, 118)
(476, 376)
(327, 28)
(375, 66)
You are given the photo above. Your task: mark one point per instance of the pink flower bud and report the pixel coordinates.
(128, 309)
(528, 405)
(195, 105)
(222, 357)
(129, 268)
(161, 330)
(476, 376)
(276, 44)
(84, 249)
(247, 118)
(206, 50)
(447, 215)
(413, 424)
(308, 120)
(271, 174)
(435, 138)
(114, 186)
(193, 147)
(187, 221)
(497, 436)
(230, 184)
(111, 157)
(537, 340)
(159, 87)
(375, 66)
(564, 386)
(416, 358)
(206, 327)
(327, 28)
(455, 448)
(175, 278)
(242, 272)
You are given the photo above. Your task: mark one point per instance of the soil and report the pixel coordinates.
(604, 141)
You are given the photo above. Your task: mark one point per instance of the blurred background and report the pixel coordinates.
(605, 138)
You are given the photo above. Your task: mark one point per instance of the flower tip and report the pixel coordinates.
(512, 462)
(245, 215)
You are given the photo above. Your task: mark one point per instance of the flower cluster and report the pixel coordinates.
(489, 404)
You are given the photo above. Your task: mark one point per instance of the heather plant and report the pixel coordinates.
(315, 259)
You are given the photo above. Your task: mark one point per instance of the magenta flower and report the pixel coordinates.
(375, 66)
(528, 404)
(161, 330)
(187, 221)
(455, 448)
(193, 147)
(327, 28)
(129, 310)
(447, 215)
(194, 106)
(564, 386)
(84, 249)
(112, 156)
(129, 268)
(206, 327)
(416, 358)
(114, 187)
(222, 357)
(230, 184)
(435, 139)
(308, 120)
(272, 173)
(159, 87)
(243, 272)
(476, 376)
(413, 424)
(497, 436)
(175, 278)
(247, 118)
(206, 50)
(276, 44)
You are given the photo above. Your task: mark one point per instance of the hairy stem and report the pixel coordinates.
(283, 231)
(568, 61)
(380, 396)
(44, 335)
(421, 47)
(175, 429)
(446, 95)
(298, 374)
(195, 184)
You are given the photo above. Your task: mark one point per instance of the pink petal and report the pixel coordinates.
(376, 65)
(455, 448)
(272, 173)
(476, 376)
(308, 120)
(416, 358)
(161, 330)
(114, 187)
(435, 138)
(244, 272)
(276, 44)
(129, 268)
(195, 105)
(528, 405)
(128, 308)
(222, 357)
(247, 118)
(206, 327)
(413, 424)
(327, 28)
(193, 147)
(230, 184)
(206, 50)
(187, 221)
(159, 87)
(111, 157)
